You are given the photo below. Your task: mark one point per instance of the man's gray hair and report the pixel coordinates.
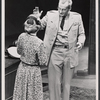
(65, 3)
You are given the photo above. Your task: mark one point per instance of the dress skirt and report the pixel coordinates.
(28, 83)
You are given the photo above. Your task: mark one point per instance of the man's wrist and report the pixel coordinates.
(80, 43)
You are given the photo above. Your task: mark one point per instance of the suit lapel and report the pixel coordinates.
(70, 21)
(56, 20)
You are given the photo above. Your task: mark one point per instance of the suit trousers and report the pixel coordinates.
(59, 74)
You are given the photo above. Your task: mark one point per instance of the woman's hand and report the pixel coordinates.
(37, 13)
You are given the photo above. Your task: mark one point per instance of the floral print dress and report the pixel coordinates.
(28, 82)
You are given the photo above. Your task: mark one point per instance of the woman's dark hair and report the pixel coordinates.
(30, 20)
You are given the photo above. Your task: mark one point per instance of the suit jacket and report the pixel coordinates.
(75, 31)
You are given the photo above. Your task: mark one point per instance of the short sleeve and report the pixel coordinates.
(42, 57)
(19, 45)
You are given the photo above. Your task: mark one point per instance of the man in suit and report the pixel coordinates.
(64, 37)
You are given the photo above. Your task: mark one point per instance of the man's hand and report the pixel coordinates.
(79, 45)
(37, 13)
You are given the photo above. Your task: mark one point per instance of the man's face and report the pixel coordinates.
(63, 11)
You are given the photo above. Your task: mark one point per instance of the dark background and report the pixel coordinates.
(16, 12)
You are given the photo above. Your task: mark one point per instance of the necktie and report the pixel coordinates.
(62, 22)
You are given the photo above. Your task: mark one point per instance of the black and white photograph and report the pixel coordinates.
(50, 49)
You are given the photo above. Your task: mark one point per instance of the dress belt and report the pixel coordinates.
(62, 46)
(35, 64)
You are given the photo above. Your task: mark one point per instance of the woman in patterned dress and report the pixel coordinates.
(28, 83)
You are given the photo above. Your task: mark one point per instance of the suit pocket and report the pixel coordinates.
(74, 57)
(74, 27)
(76, 50)
(74, 31)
